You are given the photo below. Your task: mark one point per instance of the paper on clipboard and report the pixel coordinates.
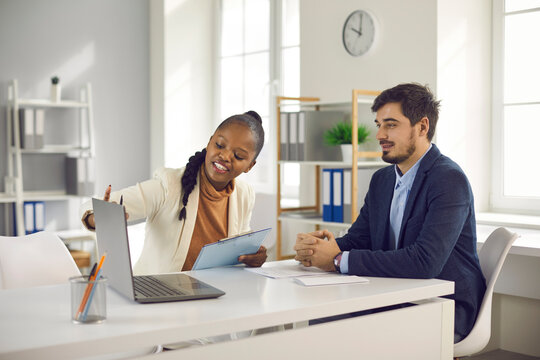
(226, 252)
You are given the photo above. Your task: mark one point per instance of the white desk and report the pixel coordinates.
(35, 323)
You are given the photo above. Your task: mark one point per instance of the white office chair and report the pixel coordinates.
(34, 260)
(491, 255)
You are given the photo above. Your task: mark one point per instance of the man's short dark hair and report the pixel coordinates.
(416, 102)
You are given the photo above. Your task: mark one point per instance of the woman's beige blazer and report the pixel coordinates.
(167, 239)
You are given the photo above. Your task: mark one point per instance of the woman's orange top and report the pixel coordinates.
(212, 220)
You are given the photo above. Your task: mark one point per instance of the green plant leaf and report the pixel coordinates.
(341, 133)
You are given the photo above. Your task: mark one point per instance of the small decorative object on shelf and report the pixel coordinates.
(56, 89)
(341, 134)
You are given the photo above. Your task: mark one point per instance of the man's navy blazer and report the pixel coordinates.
(437, 237)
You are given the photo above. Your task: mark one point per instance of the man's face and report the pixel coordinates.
(396, 136)
(230, 152)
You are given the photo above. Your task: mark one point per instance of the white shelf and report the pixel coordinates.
(84, 146)
(75, 235)
(310, 218)
(42, 103)
(361, 164)
(54, 149)
(48, 196)
(7, 198)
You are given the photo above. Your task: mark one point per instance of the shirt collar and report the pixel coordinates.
(408, 178)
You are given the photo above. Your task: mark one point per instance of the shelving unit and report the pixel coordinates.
(14, 192)
(311, 214)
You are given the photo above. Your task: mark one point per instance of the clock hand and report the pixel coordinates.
(356, 31)
(360, 27)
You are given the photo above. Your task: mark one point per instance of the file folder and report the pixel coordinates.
(39, 127)
(29, 217)
(284, 136)
(301, 136)
(39, 216)
(293, 136)
(337, 205)
(327, 194)
(347, 195)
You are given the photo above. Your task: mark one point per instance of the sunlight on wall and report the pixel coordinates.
(178, 111)
(70, 70)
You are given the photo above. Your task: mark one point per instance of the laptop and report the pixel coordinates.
(112, 238)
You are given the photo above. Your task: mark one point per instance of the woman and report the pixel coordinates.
(198, 204)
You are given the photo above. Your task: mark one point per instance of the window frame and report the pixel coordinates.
(499, 201)
(269, 186)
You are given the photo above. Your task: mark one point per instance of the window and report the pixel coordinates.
(258, 59)
(516, 106)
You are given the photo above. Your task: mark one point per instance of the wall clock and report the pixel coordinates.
(358, 32)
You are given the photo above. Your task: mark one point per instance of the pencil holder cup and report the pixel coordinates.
(88, 300)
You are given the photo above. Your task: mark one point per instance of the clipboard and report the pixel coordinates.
(225, 252)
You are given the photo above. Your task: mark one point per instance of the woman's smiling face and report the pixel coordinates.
(230, 152)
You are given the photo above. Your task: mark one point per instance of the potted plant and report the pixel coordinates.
(341, 134)
(56, 89)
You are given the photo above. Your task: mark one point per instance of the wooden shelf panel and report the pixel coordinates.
(361, 164)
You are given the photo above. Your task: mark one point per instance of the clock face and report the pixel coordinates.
(358, 32)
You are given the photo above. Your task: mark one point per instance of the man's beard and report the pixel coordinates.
(399, 158)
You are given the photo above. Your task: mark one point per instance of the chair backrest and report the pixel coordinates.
(491, 256)
(34, 260)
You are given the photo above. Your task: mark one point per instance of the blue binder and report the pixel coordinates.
(337, 205)
(328, 188)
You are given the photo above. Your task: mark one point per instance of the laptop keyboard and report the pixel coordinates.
(149, 286)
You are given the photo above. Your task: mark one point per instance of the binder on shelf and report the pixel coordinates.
(293, 136)
(337, 204)
(39, 127)
(80, 176)
(327, 194)
(301, 136)
(284, 136)
(347, 195)
(34, 217)
(311, 128)
(29, 217)
(26, 129)
(39, 216)
(364, 178)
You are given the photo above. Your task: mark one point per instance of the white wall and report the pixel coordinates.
(97, 41)
(405, 49)
(464, 86)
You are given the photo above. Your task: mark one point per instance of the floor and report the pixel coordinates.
(501, 355)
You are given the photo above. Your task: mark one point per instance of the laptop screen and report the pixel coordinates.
(112, 238)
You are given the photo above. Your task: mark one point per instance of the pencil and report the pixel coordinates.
(89, 287)
(90, 297)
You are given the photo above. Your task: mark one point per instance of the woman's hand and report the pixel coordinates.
(90, 220)
(254, 260)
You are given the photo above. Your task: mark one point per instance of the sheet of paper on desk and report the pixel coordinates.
(288, 271)
(332, 279)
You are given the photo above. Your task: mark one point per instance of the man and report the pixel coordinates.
(418, 217)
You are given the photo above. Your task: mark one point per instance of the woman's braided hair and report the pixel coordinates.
(252, 120)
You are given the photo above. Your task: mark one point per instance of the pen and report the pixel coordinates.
(121, 199)
(87, 290)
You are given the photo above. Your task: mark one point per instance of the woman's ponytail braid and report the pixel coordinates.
(189, 179)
